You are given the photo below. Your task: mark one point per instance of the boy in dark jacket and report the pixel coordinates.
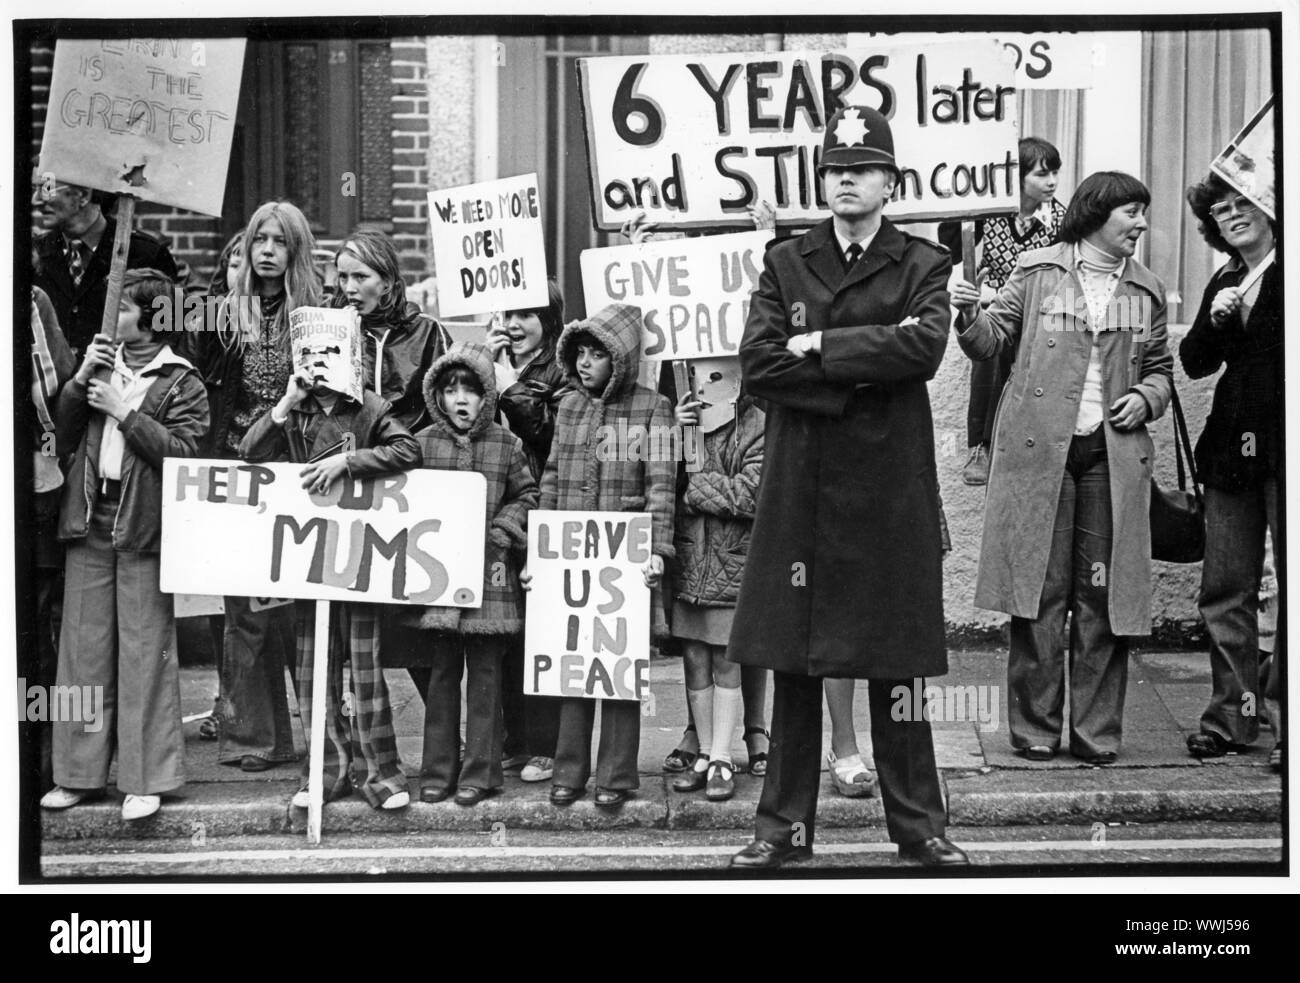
(461, 396)
(118, 636)
(335, 435)
(602, 356)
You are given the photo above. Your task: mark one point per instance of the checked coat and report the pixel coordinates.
(494, 452)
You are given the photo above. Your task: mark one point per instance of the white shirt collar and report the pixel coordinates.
(845, 243)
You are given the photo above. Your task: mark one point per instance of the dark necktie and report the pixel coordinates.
(76, 261)
(853, 255)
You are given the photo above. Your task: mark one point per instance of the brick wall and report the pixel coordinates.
(196, 239)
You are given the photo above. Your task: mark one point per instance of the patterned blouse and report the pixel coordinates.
(262, 381)
(1004, 241)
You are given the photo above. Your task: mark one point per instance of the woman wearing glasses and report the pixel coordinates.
(1239, 457)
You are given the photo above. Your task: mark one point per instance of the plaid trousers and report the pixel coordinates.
(363, 732)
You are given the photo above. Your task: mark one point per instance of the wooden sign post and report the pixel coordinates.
(320, 666)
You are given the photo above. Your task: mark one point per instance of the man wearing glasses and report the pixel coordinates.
(75, 251)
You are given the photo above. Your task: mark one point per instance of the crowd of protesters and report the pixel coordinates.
(1058, 432)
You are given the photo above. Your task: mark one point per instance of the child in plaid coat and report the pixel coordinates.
(334, 435)
(461, 394)
(601, 356)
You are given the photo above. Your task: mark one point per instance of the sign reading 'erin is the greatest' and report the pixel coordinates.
(414, 537)
(164, 104)
(694, 140)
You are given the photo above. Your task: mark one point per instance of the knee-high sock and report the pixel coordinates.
(726, 714)
(701, 701)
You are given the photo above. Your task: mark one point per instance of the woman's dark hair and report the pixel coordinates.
(144, 287)
(218, 287)
(551, 316)
(1094, 200)
(458, 375)
(1035, 151)
(375, 249)
(1205, 194)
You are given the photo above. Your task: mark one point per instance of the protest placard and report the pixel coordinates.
(587, 630)
(326, 347)
(1247, 162)
(693, 293)
(1041, 61)
(167, 104)
(488, 248)
(414, 537)
(695, 140)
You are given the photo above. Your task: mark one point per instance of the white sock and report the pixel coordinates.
(701, 701)
(726, 714)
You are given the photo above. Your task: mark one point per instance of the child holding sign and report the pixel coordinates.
(462, 399)
(602, 356)
(119, 637)
(714, 515)
(335, 435)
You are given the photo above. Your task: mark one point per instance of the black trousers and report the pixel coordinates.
(532, 722)
(904, 758)
(987, 380)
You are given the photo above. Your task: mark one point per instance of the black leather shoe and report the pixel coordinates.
(611, 798)
(1037, 752)
(934, 852)
(1101, 758)
(469, 795)
(766, 855)
(691, 781)
(562, 795)
(1207, 745)
(431, 793)
(251, 762)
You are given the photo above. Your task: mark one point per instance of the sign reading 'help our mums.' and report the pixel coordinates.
(167, 104)
(488, 246)
(693, 293)
(695, 140)
(587, 630)
(326, 347)
(415, 537)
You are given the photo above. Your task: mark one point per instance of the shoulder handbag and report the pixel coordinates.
(1177, 514)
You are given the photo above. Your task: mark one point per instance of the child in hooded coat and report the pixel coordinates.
(461, 395)
(602, 356)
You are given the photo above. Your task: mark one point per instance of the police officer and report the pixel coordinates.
(843, 578)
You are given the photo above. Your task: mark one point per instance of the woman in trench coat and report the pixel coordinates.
(1066, 522)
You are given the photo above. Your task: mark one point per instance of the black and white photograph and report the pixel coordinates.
(576, 449)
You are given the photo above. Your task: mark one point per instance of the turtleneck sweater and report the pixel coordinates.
(1099, 273)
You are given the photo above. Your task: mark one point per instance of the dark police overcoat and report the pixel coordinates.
(844, 575)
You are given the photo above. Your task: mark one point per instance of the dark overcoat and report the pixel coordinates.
(844, 570)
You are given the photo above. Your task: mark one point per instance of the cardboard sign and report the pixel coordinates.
(1247, 162)
(488, 249)
(1041, 61)
(693, 293)
(694, 140)
(326, 347)
(415, 537)
(165, 103)
(587, 629)
(205, 605)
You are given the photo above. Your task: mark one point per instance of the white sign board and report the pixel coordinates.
(1247, 162)
(1041, 61)
(695, 140)
(488, 248)
(326, 347)
(693, 293)
(587, 630)
(165, 103)
(414, 537)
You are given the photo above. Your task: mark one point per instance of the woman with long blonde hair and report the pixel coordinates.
(276, 276)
